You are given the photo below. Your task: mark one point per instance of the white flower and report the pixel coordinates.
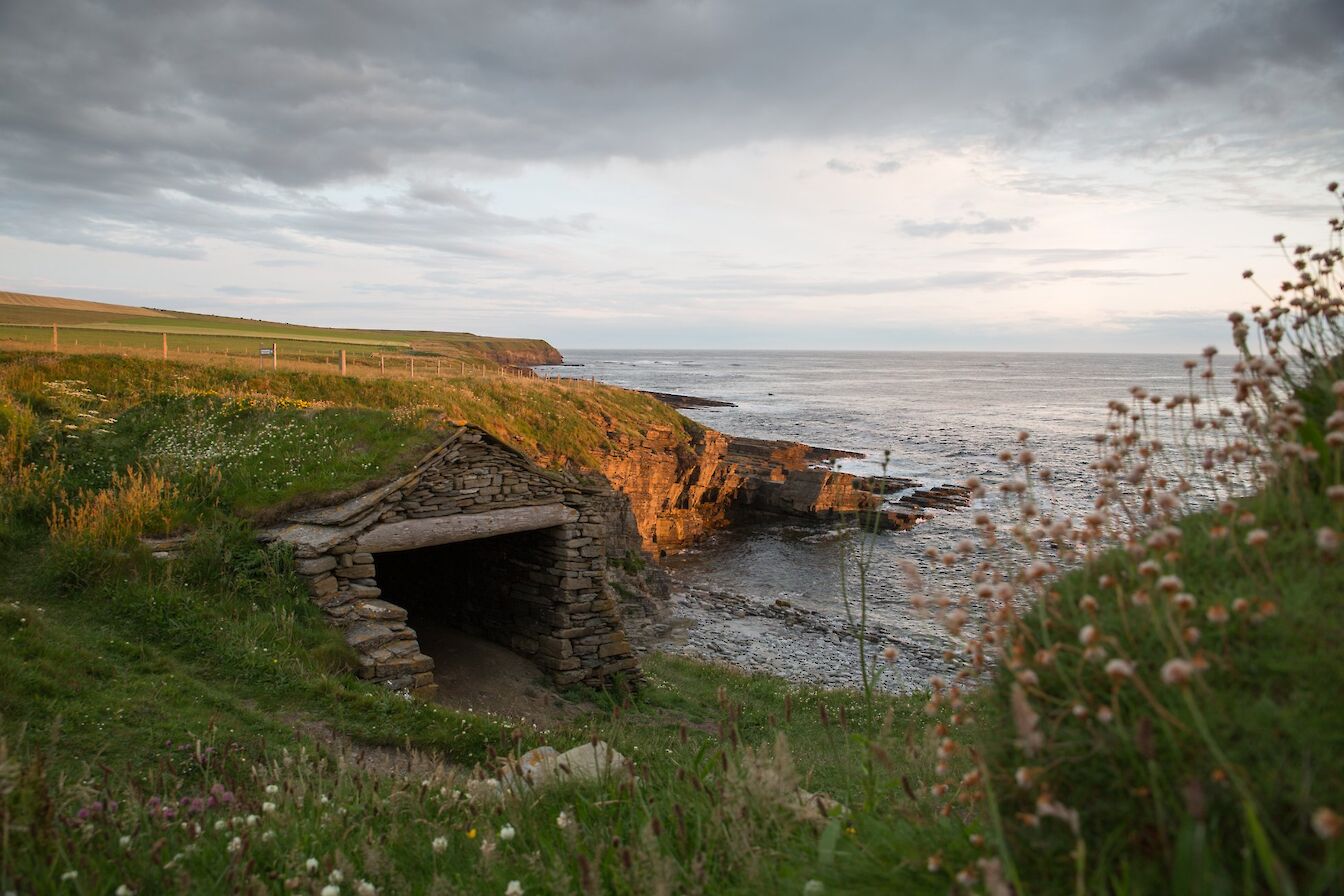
(272, 789)
(268, 807)
(268, 837)
(440, 845)
(72, 874)
(311, 865)
(1118, 668)
(364, 888)
(252, 821)
(507, 833)
(125, 841)
(335, 876)
(235, 844)
(221, 825)
(331, 890)
(564, 820)
(814, 887)
(124, 890)
(513, 889)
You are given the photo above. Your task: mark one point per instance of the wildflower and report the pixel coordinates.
(813, 887)
(935, 863)
(1190, 634)
(1089, 634)
(1335, 493)
(221, 825)
(331, 890)
(268, 807)
(1023, 776)
(439, 845)
(1327, 823)
(1240, 606)
(471, 834)
(507, 833)
(235, 845)
(336, 876)
(364, 888)
(70, 875)
(890, 653)
(1257, 537)
(564, 820)
(1118, 669)
(311, 865)
(1170, 584)
(1177, 672)
(268, 837)
(252, 821)
(125, 841)
(272, 789)
(1217, 614)
(1327, 540)
(1184, 601)
(515, 888)
(1104, 715)
(124, 890)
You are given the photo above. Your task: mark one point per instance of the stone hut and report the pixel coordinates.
(477, 537)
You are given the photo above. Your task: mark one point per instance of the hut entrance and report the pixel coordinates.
(496, 589)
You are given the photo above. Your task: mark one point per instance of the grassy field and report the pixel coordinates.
(26, 322)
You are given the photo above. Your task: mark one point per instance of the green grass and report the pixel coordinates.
(28, 319)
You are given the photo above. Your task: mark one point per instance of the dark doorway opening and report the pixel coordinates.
(460, 593)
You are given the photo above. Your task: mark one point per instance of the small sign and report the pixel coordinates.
(267, 352)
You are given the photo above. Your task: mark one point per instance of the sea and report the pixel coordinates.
(937, 417)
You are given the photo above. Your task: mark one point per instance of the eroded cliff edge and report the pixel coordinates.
(681, 486)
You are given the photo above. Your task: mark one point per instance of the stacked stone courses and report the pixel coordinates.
(552, 604)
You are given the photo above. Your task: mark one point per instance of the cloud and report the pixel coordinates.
(977, 224)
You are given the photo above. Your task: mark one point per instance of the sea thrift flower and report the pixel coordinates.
(1177, 672)
(1089, 634)
(1118, 669)
(890, 653)
(1327, 540)
(1217, 614)
(507, 833)
(1327, 823)
(1170, 583)
(311, 865)
(1257, 537)
(1088, 603)
(1184, 601)
(1104, 715)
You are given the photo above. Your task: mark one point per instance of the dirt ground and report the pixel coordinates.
(482, 676)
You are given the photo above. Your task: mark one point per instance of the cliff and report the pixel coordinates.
(680, 489)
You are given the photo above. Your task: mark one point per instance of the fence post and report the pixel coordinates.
(165, 346)
(382, 363)
(55, 339)
(412, 367)
(275, 357)
(342, 362)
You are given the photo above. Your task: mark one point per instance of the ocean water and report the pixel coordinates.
(942, 416)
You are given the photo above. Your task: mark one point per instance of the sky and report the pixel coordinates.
(1042, 175)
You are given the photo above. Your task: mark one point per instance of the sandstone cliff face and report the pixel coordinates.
(679, 490)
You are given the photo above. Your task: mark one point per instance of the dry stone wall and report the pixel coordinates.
(551, 602)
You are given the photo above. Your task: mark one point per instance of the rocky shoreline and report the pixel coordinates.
(777, 638)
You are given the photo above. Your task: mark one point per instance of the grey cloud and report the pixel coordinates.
(144, 126)
(976, 225)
